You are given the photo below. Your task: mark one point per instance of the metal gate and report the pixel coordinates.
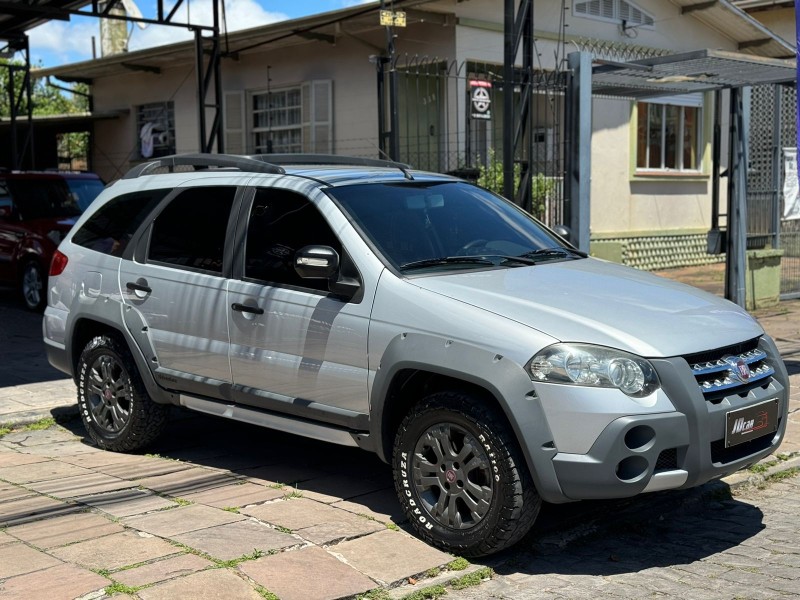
(772, 128)
(450, 119)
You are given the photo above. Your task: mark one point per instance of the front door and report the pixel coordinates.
(295, 347)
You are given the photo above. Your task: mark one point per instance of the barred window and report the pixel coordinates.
(277, 124)
(155, 127)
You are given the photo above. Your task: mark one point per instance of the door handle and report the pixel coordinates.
(247, 309)
(139, 287)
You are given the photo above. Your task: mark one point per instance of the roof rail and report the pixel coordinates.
(332, 159)
(328, 159)
(253, 164)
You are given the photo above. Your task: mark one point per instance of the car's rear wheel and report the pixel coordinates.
(32, 286)
(460, 476)
(114, 405)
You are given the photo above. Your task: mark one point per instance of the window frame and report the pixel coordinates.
(270, 111)
(696, 101)
(166, 117)
(617, 19)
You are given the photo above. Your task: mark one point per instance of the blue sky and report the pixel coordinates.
(63, 42)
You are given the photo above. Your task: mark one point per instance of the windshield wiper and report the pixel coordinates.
(553, 253)
(447, 260)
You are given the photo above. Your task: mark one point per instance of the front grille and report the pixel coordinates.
(722, 455)
(730, 370)
(667, 460)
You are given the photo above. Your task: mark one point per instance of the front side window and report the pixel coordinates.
(277, 121)
(155, 128)
(281, 223)
(190, 232)
(667, 137)
(110, 228)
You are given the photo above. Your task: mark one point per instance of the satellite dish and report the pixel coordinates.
(133, 11)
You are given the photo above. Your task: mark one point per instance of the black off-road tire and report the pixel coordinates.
(116, 410)
(474, 496)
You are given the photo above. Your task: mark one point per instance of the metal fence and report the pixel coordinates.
(772, 130)
(450, 119)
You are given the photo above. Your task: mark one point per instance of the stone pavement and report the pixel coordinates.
(225, 510)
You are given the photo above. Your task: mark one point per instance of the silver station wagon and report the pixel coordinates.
(411, 314)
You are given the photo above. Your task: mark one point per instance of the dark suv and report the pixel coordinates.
(37, 209)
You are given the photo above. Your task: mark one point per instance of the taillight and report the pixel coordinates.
(58, 264)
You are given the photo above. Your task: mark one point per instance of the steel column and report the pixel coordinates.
(205, 74)
(577, 211)
(735, 264)
(776, 166)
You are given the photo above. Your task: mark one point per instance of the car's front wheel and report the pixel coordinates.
(32, 286)
(460, 476)
(114, 405)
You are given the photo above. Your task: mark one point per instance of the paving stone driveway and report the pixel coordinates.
(680, 546)
(220, 510)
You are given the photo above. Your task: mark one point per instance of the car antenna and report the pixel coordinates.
(400, 166)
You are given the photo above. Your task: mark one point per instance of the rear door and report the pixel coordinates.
(176, 285)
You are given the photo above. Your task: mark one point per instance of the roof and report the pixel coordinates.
(690, 72)
(18, 16)
(752, 37)
(320, 27)
(723, 16)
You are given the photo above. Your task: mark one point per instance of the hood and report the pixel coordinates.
(597, 302)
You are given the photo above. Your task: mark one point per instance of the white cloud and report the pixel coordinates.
(63, 41)
(239, 14)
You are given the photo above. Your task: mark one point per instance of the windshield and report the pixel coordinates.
(447, 225)
(85, 190)
(43, 199)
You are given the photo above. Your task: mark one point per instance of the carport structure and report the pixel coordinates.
(19, 16)
(730, 76)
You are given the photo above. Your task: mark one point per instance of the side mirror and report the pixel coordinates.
(316, 262)
(5, 212)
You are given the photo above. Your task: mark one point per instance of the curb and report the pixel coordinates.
(59, 413)
(747, 478)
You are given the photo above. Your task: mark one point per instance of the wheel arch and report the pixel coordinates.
(86, 328)
(416, 364)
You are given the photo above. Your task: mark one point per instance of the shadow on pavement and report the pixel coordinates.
(22, 355)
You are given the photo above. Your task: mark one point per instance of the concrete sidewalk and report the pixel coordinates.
(220, 509)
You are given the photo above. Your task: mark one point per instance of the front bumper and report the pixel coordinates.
(681, 449)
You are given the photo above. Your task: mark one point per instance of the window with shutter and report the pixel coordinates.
(617, 11)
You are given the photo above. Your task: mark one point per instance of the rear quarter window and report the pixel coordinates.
(109, 230)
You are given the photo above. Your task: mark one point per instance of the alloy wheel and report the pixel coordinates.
(452, 475)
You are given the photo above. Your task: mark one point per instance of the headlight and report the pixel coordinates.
(583, 364)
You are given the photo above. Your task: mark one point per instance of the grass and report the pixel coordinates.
(121, 588)
(472, 579)
(459, 564)
(244, 558)
(429, 593)
(231, 509)
(787, 474)
(182, 501)
(376, 594)
(39, 425)
(265, 593)
(283, 529)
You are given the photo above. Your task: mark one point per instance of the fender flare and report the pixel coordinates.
(503, 378)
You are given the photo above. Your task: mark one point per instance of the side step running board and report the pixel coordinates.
(325, 433)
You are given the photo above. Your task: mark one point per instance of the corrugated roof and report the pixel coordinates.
(751, 36)
(698, 71)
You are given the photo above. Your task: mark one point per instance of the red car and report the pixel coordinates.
(37, 209)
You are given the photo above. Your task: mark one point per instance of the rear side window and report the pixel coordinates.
(190, 231)
(110, 229)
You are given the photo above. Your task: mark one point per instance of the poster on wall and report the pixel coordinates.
(791, 186)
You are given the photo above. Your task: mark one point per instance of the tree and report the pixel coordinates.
(47, 100)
